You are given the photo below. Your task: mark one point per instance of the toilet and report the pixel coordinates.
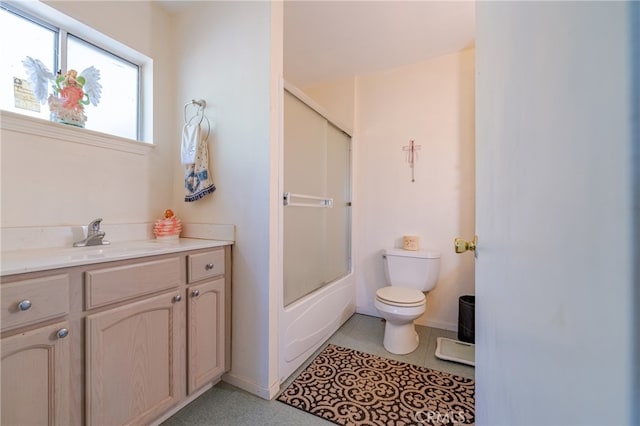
(409, 274)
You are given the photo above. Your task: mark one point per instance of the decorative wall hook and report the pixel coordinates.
(412, 156)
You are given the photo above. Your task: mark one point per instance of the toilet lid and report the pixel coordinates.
(402, 296)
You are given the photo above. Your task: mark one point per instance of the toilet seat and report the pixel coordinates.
(400, 296)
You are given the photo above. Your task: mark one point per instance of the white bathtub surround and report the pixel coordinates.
(306, 323)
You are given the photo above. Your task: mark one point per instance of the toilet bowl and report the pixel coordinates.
(410, 274)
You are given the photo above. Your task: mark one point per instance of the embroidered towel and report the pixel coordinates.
(197, 181)
(190, 139)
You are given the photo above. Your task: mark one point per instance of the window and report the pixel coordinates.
(22, 35)
(37, 39)
(117, 112)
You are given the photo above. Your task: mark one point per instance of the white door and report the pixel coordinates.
(554, 273)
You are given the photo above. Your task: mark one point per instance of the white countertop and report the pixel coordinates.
(32, 260)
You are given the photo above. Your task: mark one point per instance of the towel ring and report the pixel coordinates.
(200, 105)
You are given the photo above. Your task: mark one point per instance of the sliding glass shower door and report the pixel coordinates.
(317, 198)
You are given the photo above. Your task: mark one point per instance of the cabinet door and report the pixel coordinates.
(132, 361)
(35, 370)
(206, 336)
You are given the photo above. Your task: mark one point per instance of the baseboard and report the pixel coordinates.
(373, 312)
(367, 310)
(440, 324)
(239, 382)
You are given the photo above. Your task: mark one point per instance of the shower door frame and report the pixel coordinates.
(305, 324)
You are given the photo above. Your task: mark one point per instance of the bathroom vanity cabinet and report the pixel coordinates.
(36, 361)
(207, 319)
(35, 377)
(115, 343)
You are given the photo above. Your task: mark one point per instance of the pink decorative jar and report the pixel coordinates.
(169, 228)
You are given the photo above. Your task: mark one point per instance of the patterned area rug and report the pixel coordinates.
(348, 387)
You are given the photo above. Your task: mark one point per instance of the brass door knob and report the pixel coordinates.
(462, 245)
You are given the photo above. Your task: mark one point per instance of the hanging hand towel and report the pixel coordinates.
(197, 181)
(190, 139)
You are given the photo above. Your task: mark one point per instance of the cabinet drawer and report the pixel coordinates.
(110, 285)
(31, 301)
(205, 265)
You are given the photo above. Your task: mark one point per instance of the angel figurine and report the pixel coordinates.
(71, 92)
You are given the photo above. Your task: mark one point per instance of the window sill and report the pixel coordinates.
(38, 127)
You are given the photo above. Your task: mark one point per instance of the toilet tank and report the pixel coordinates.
(414, 269)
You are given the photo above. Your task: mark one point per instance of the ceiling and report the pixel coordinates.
(327, 40)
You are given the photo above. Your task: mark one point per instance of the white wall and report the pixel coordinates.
(224, 56)
(48, 182)
(555, 213)
(431, 102)
(337, 97)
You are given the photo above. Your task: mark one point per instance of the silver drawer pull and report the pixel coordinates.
(24, 305)
(177, 298)
(208, 266)
(62, 333)
(195, 293)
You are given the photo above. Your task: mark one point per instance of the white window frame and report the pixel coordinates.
(65, 24)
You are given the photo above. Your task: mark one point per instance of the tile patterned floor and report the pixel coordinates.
(229, 406)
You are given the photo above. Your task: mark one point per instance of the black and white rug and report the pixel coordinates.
(349, 387)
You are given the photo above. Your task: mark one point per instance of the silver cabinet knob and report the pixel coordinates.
(195, 293)
(62, 333)
(24, 305)
(177, 298)
(208, 266)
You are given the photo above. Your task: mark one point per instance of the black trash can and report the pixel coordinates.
(467, 319)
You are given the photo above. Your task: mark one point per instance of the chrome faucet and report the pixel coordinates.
(95, 237)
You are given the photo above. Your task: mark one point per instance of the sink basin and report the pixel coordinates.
(21, 261)
(115, 250)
